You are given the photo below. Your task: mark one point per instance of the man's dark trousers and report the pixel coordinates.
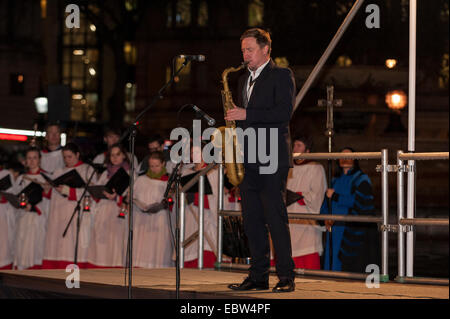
(263, 204)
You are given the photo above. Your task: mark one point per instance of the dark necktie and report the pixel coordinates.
(247, 96)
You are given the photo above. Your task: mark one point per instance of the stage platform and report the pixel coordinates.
(195, 284)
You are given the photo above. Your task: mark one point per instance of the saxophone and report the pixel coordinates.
(234, 170)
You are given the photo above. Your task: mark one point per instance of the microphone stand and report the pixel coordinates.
(175, 177)
(77, 211)
(132, 131)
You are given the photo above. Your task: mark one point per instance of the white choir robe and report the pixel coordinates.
(60, 250)
(310, 180)
(7, 223)
(31, 229)
(152, 233)
(51, 161)
(108, 244)
(209, 222)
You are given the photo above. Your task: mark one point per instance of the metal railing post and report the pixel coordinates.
(219, 216)
(385, 215)
(182, 203)
(201, 211)
(400, 215)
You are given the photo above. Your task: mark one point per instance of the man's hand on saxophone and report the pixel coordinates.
(236, 113)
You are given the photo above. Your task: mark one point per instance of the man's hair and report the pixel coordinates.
(53, 123)
(156, 138)
(111, 131)
(307, 140)
(262, 37)
(72, 147)
(33, 149)
(157, 155)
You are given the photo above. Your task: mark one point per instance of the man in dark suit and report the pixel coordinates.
(266, 96)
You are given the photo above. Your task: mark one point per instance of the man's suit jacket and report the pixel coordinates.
(270, 106)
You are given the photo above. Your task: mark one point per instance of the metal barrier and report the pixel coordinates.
(383, 155)
(406, 225)
(200, 178)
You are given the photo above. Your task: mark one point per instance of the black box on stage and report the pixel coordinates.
(58, 103)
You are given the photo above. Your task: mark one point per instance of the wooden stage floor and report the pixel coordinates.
(195, 284)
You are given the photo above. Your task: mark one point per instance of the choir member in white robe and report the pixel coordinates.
(32, 220)
(306, 178)
(60, 251)
(109, 235)
(51, 155)
(153, 242)
(8, 221)
(210, 217)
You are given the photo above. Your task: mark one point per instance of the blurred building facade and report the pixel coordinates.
(119, 58)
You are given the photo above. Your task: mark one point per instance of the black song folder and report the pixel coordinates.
(194, 188)
(292, 197)
(5, 183)
(33, 194)
(71, 179)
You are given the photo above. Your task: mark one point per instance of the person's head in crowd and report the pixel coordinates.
(197, 155)
(117, 155)
(111, 137)
(156, 165)
(345, 165)
(53, 136)
(32, 159)
(71, 154)
(15, 168)
(301, 144)
(155, 143)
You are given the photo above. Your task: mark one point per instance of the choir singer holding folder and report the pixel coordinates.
(108, 244)
(59, 251)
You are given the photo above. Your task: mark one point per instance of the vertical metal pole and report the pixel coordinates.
(182, 203)
(385, 213)
(201, 211)
(411, 135)
(400, 214)
(220, 217)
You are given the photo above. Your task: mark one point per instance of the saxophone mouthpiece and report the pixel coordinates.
(244, 64)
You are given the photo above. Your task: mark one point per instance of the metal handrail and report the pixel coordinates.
(200, 178)
(383, 220)
(423, 156)
(338, 218)
(406, 249)
(331, 156)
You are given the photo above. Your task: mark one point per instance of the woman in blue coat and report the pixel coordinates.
(355, 245)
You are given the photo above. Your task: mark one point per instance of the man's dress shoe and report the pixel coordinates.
(284, 285)
(249, 284)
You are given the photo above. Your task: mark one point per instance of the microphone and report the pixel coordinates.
(203, 115)
(198, 58)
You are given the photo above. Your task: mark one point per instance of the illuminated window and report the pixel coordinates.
(130, 52)
(17, 84)
(183, 13)
(443, 77)
(282, 62)
(255, 13)
(343, 7)
(81, 69)
(202, 20)
(343, 61)
(130, 5)
(43, 9)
